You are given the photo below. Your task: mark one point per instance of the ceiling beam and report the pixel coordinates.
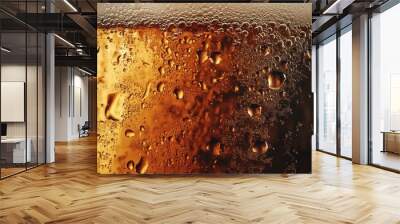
(83, 23)
(82, 61)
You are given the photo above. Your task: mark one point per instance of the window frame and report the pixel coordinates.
(337, 35)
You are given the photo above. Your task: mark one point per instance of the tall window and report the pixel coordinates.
(22, 79)
(327, 95)
(385, 88)
(314, 90)
(346, 92)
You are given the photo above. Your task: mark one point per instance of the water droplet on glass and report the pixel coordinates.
(260, 147)
(161, 70)
(171, 63)
(216, 151)
(203, 86)
(276, 80)
(284, 65)
(254, 110)
(178, 93)
(203, 56)
(130, 165)
(307, 55)
(147, 91)
(169, 51)
(217, 58)
(161, 87)
(129, 133)
(114, 106)
(142, 165)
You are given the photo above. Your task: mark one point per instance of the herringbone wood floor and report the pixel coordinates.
(70, 191)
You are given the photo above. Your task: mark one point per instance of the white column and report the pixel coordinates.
(360, 90)
(50, 99)
(50, 92)
(62, 103)
(314, 91)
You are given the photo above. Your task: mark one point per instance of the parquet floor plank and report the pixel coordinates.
(70, 191)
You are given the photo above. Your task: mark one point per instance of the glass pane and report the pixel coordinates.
(327, 96)
(31, 97)
(41, 98)
(314, 90)
(13, 86)
(346, 93)
(23, 89)
(385, 84)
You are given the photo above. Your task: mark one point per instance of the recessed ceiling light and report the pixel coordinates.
(337, 7)
(64, 40)
(84, 71)
(5, 50)
(70, 5)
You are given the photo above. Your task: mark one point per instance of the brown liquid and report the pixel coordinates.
(195, 100)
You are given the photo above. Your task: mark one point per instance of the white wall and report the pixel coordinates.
(12, 73)
(16, 73)
(80, 111)
(62, 81)
(71, 102)
(33, 127)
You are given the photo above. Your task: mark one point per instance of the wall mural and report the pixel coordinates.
(204, 88)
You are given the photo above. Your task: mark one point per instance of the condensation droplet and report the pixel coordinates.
(307, 55)
(114, 106)
(171, 63)
(169, 51)
(216, 149)
(276, 80)
(147, 91)
(161, 70)
(203, 86)
(161, 87)
(284, 65)
(129, 133)
(254, 110)
(217, 58)
(260, 147)
(203, 56)
(130, 165)
(178, 93)
(142, 165)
